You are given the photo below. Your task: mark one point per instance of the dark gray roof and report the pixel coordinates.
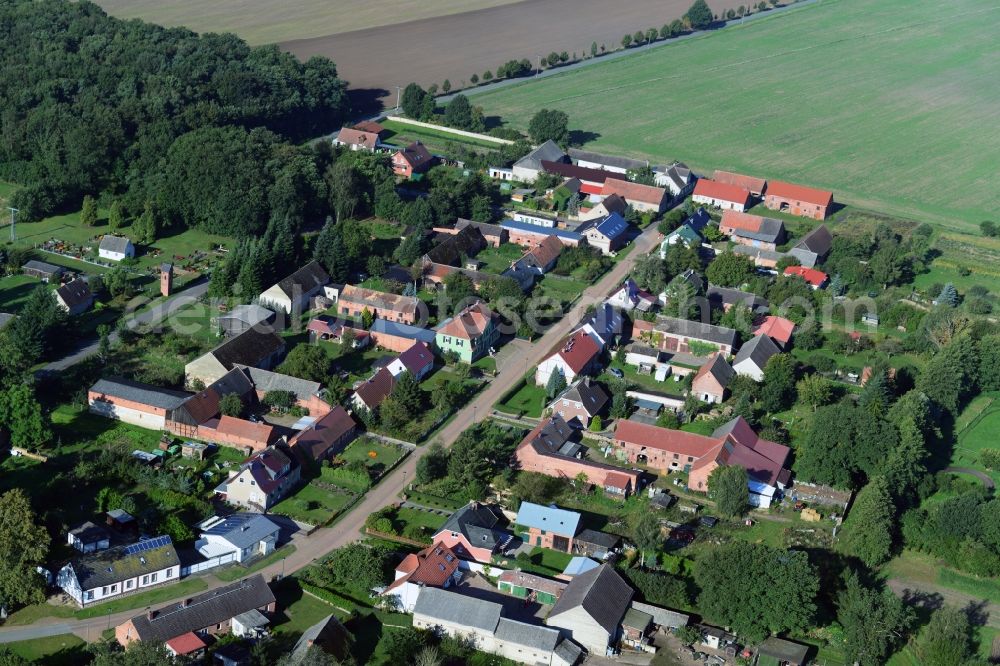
(603, 539)
(457, 608)
(305, 280)
(606, 320)
(783, 650)
(692, 277)
(204, 610)
(6, 318)
(265, 380)
(727, 296)
(248, 348)
(757, 252)
(146, 394)
(477, 522)
(607, 160)
(484, 228)
(818, 241)
(601, 592)
(42, 267)
(720, 369)
(74, 293)
(548, 151)
(587, 392)
(663, 616)
(117, 564)
(251, 315)
(243, 529)
(553, 435)
(771, 231)
(90, 533)
(328, 635)
(531, 636)
(568, 651)
(115, 244)
(696, 330)
(759, 350)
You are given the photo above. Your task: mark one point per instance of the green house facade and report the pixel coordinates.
(470, 334)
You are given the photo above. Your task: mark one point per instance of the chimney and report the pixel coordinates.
(150, 614)
(186, 603)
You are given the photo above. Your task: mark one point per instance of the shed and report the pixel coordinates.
(779, 652)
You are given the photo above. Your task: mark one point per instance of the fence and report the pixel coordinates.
(211, 563)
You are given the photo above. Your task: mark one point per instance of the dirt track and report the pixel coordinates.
(428, 51)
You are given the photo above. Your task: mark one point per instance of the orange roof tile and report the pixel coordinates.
(777, 328)
(751, 183)
(811, 195)
(469, 323)
(654, 437)
(721, 191)
(743, 221)
(630, 191)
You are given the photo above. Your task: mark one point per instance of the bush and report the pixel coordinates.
(990, 458)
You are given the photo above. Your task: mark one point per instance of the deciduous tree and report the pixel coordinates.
(549, 124)
(727, 485)
(868, 531)
(874, 622)
(23, 546)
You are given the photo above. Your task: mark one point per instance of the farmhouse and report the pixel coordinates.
(238, 608)
(307, 395)
(590, 160)
(528, 167)
(354, 301)
(580, 402)
(754, 186)
(688, 337)
(434, 566)
(43, 271)
(412, 160)
(549, 450)
(326, 437)
(105, 574)
(675, 177)
(242, 317)
(434, 275)
(528, 235)
(294, 292)
(467, 242)
(529, 586)
(710, 382)
(115, 248)
(494, 234)
(357, 139)
(196, 416)
(399, 337)
(372, 392)
(753, 357)
(607, 235)
(548, 526)
(480, 622)
(753, 230)
(132, 402)
(245, 535)
(75, 297)
(721, 195)
(327, 328)
(591, 608)
(761, 257)
(609, 205)
(798, 200)
(604, 324)
(643, 198)
(576, 355)
(236, 432)
(470, 334)
(253, 347)
(734, 443)
(813, 247)
(725, 298)
(541, 258)
(262, 481)
(474, 532)
(817, 279)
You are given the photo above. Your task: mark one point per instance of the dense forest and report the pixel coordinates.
(94, 104)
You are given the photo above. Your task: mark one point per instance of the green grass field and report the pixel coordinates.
(436, 140)
(312, 504)
(528, 400)
(859, 96)
(64, 649)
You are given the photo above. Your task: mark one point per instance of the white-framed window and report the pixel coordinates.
(153, 578)
(145, 580)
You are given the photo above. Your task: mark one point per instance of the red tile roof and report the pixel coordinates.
(618, 480)
(778, 328)
(721, 191)
(431, 566)
(417, 357)
(630, 191)
(317, 440)
(811, 275)
(376, 389)
(369, 126)
(743, 221)
(783, 190)
(654, 437)
(469, 323)
(749, 183)
(578, 350)
(185, 643)
(547, 251)
(355, 137)
(247, 430)
(587, 188)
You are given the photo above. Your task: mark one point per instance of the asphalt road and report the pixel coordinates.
(153, 316)
(349, 527)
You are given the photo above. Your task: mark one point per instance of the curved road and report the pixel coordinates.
(350, 525)
(982, 476)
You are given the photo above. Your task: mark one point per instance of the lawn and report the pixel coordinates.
(909, 82)
(976, 428)
(436, 140)
(499, 259)
(313, 504)
(564, 290)
(61, 650)
(429, 522)
(528, 400)
(15, 290)
(237, 571)
(372, 452)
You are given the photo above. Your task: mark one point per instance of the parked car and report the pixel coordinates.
(617, 373)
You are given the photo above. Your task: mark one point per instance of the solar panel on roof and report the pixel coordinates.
(148, 544)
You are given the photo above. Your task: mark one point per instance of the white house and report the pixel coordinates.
(607, 235)
(753, 356)
(721, 195)
(576, 355)
(528, 167)
(294, 292)
(247, 535)
(418, 360)
(116, 248)
(75, 297)
(630, 297)
(111, 573)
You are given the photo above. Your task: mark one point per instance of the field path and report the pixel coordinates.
(907, 588)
